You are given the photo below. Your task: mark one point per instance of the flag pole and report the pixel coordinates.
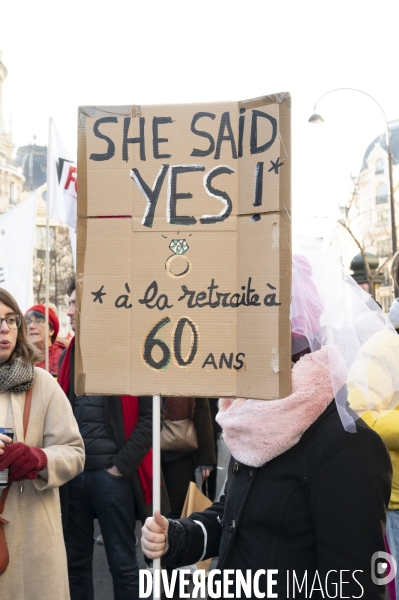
(156, 480)
(47, 272)
(47, 252)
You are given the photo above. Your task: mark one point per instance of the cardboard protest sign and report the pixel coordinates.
(184, 249)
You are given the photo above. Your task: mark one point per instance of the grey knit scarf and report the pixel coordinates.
(16, 377)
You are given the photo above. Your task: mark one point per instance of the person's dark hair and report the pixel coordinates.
(23, 348)
(70, 286)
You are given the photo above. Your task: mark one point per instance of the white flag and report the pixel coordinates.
(61, 180)
(17, 227)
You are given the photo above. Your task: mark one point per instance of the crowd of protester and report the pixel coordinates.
(112, 484)
(308, 490)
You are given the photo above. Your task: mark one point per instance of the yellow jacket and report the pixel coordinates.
(387, 426)
(373, 392)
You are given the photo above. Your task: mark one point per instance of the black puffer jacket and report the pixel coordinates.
(100, 446)
(129, 454)
(320, 506)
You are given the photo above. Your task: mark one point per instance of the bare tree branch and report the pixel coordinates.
(61, 268)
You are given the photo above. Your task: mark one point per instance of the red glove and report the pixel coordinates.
(24, 462)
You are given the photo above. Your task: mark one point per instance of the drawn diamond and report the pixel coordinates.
(178, 246)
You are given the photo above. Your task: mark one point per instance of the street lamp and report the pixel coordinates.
(317, 119)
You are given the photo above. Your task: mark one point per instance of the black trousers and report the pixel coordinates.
(110, 499)
(177, 475)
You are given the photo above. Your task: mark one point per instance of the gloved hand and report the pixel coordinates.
(23, 461)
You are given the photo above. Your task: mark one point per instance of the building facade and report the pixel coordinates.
(61, 263)
(368, 212)
(19, 177)
(11, 177)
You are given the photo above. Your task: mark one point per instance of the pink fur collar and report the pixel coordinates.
(256, 431)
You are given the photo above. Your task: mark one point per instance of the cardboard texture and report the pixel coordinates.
(184, 249)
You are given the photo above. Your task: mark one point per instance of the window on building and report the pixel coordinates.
(41, 240)
(382, 217)
(379, 166)
(384, 248)
(382, 193)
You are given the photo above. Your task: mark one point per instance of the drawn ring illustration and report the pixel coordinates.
(177, 270)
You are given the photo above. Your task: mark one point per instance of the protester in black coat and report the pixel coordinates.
(309, 501)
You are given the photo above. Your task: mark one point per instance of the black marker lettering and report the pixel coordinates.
(195, 299)
(187, 292)
(275, 166)
(178, 334)
(235, 303)
(241, 122)
(218, 194)
(254, 299)
(137, 140)
(200, 297)
(151, 195)
(212, 287)
(228, 362)
(150, 295)
(239, 361)
(123, 299)
(111, 146)
(174, 196)
(256, 114)
(243, 301)
(258, 183)
(209, 361)
(224, 299)
(270, 300)
(157, 140)
(225, 124)
(99, 295)
(196, 151)
(162, 302)
(152, 288)
(151, 341)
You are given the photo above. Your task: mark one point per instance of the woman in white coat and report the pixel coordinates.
(47, 456)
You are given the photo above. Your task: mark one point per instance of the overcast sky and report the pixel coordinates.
(60, 55)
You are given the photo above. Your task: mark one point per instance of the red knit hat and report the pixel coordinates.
(52, 317)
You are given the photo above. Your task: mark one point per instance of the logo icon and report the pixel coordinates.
(380, 573)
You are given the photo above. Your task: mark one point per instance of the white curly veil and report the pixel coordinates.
(329, 308)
